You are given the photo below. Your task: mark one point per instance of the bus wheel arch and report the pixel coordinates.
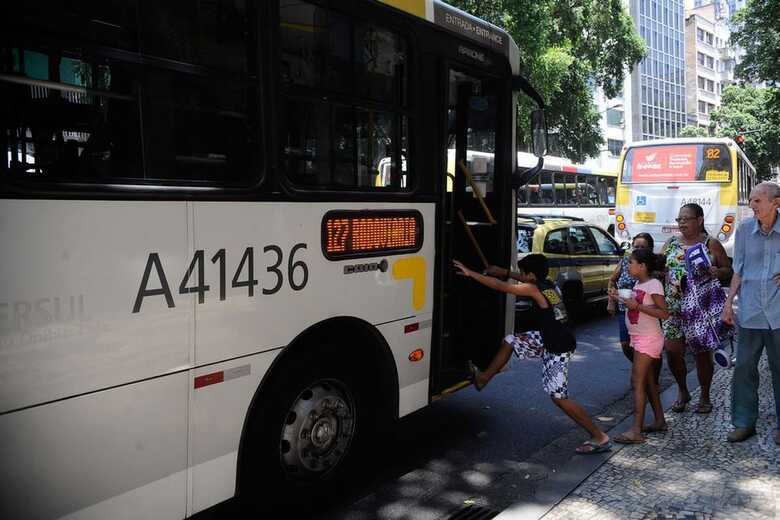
(342, 362)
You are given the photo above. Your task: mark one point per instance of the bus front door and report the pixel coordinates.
(473, 318)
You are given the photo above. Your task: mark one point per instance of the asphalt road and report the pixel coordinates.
(473, 447)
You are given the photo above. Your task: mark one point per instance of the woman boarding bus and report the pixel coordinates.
(657, 178)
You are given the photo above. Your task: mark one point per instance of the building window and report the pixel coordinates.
(710, 62)
(700, 58)
(702, 107)
(699, 34)
(709, 38)
(615, 117)
(701, 82)
(614, 146)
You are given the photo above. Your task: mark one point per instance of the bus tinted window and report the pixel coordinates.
(341, 144)
(211, 33)
(80, 121)
(588, 188)
(82, 110)
(540, 192)
(316, 46)
(381, 64)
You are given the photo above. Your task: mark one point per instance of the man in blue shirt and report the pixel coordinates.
(757, 280)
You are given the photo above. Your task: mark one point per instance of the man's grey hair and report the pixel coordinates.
(770, 188)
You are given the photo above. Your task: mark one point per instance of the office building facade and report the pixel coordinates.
(658, 82)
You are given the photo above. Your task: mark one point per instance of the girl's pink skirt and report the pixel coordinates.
(649, 345)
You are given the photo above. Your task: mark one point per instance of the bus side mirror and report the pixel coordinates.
(539, 132)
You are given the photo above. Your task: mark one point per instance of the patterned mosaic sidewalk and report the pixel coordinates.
(690, 472)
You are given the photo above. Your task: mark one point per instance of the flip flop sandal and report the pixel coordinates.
(473, 373)
(679, 406)
(591, 448)
(624, 439)
(655, 429)
(703, 408)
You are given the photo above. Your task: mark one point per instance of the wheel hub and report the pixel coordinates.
(318, 430)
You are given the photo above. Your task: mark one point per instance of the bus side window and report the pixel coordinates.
(522, 195)
(84, 123)
(562, 186)
(199, 107)
(588, 188)
(544, 192)
(611, 190)
(341, 145)
(602, 189)
(199, 116)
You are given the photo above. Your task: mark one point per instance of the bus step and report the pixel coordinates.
(473, 513)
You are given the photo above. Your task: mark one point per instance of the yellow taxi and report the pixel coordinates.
(582, 256)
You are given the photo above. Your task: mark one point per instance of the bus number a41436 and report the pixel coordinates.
(194, 280)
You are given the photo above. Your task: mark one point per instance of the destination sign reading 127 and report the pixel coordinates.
(349, 234)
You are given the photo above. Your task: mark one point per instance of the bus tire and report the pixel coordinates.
(305, 435)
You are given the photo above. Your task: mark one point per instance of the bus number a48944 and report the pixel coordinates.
(194, 280)
(701, 201)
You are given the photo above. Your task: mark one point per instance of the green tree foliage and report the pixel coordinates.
(694, 131)
(567, 47)
(745, 110)
(756, 29)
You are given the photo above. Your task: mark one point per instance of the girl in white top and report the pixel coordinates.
(643, 311)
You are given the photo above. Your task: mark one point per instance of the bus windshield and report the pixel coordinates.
(677, 163)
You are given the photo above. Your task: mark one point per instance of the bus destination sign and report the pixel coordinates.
(354, 234)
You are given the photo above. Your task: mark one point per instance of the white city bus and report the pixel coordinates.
(571, 190)
(658, 177)
(227, 242)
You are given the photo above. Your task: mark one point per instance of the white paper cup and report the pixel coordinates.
(625, 293)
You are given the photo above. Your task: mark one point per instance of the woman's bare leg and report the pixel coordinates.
(704, 369)
(675, 354)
